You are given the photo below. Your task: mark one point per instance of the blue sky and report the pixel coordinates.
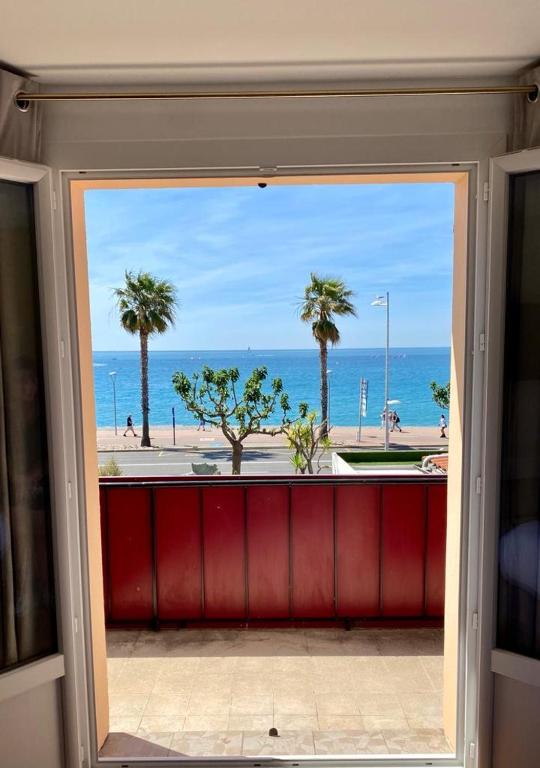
(240, 258)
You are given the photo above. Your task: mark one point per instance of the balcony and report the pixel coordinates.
(309, 605)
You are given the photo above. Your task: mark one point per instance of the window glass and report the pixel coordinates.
(519, 552)
(27, 610)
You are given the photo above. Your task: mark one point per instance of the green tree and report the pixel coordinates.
(213, 396)
(305, 437)
(324, 298)
(440, 394)
(147, 305)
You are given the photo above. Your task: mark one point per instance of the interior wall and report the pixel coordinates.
(516, 714)
(30, 729)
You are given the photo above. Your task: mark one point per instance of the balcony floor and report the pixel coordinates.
(206, 692)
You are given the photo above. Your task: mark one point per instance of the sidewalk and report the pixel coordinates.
(342, 437)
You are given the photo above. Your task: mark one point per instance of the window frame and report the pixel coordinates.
(469, 658)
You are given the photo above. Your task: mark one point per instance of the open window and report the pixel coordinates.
(194, 555)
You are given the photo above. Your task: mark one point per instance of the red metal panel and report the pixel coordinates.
(312, 528)
(105, 549)
(268, 551)
(436, 550)
(224, 552)
(130, 553)
(403, 548)
(358, 549)
(179, 557)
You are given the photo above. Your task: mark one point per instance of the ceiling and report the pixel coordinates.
(220, 41)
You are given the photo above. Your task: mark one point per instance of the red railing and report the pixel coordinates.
(179, 550)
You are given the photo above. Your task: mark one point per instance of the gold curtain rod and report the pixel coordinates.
(24, 99)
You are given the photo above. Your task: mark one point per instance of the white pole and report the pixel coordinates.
(112, 374)
(386, 375)
(359, 433)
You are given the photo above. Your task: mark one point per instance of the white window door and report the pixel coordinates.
(34, 658)
(511, 620)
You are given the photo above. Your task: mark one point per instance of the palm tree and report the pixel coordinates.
(325, 297)
(146, 305)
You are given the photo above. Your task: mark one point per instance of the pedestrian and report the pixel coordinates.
(443, 425)
(392, 420)
(201, 424)
(129, 423)
(397, 421)
(383, 418)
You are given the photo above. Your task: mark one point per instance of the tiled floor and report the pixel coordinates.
(327, 691)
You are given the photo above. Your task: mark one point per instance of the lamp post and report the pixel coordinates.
(384, 301)
(112, 374)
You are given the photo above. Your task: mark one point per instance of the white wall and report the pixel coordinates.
(30, 729)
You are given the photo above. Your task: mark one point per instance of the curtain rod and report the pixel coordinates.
(23, 99)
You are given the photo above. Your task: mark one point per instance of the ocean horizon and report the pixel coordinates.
(411, 371)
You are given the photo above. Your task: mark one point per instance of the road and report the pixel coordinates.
(255, 461)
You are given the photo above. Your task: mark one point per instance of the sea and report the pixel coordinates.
(411, 371)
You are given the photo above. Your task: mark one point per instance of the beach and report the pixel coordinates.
(341, 437)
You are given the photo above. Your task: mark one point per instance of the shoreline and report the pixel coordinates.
(212, 437)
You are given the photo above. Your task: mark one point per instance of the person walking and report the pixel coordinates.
(129, 426)
(443, 425)
(396, 421)
(201, 425)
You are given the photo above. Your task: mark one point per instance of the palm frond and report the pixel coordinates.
(146, 303)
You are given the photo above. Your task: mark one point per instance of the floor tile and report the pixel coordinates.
(161, 738)
(336, 692)
(287, 743)
(349, 743)
(206, 744)
(382, 704)
(376, 723)
(206, 722)
(295, 722)
(340, 723)
(294, 705)
(124, 724)
(204, 704)
(416, 741)
(336, 704)
(415, 704)
(250, 722)
(179, 683)
(127, 705)
(126, 745)
(161, 723)
(166, 704)
(252, 704)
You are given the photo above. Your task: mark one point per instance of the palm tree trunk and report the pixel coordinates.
(145, 440)
(324, 387)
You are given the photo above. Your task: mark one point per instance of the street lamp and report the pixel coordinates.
(112, 374)
(384, 301)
